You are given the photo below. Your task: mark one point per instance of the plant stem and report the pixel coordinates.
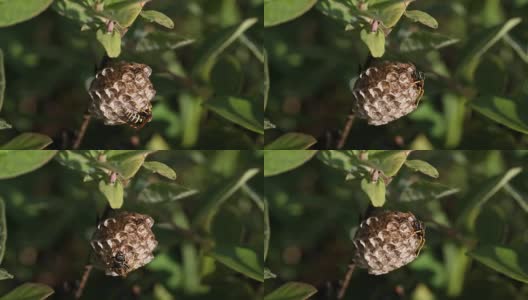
(82, 131)
(346, 131)
(87, 271)
(346, 281)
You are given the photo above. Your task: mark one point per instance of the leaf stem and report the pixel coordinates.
(82, 131)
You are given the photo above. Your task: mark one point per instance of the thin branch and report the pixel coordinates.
(82, 131)
(87, 271)
(346, 281)
(346, 131)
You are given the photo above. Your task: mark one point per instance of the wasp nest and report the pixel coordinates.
(124, 243)
(121, 94)
(388, 241)
(387, 91)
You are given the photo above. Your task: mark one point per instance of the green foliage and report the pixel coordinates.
(16, 163)
(291, 141)
(48, 77)
(504, 260)
(292, 291)
(29, 291)
(13, 12)
(27, 141)
(315, 212)
(470, 52)
(208, 222)
(277, 11)
(280, 161)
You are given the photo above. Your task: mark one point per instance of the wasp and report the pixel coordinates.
(419, 229)
(119, 264)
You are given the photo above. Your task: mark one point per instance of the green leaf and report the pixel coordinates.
(207, 214)
(267, 229)
(161, 192)
(227, 77)
(476, 47)
(422, 17)
(215, 45)
(423, 167)
(339, 159)
(160, 168)
(375, 41)
(15, 11)
(280, 161)
(239, 111)
(375, 191)
(158, 17)
(4, 124)
(339, 10)
(266, 79)
(162, 40)
(389, 162)
(389, 12)
(73, 10)
(242, 260)
(504, 260)
(16, 163)
(3, 230)
(280, 11)
(268, 124)
(5, 275)
(454, 111)
(29, 291)
(28, 141)
(469, 216)
(425, 40)
(504, 111)
(127, 162)
(112, 192)
(426, 191)
(2, 85)
(292, 291)
(268, 274)
(191, 113)
(124, 12)
(292, 141)
(110, 41)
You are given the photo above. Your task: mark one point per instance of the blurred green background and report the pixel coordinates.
(51, 215)
(314, 213)
(313, 59)
(49, 62)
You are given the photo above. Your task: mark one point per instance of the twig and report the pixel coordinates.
(82, 131)
(346, 131)
(346, 281)
(87, 271)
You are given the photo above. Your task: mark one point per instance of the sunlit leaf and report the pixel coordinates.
(280, 161)
(423, 167)
(16, 163)
(160, 168)
(113, 192)
(422, 17)
(110, 41)
(280, 11)
(375, 41)
(158, 17)
(13, 12)
(375, 191)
